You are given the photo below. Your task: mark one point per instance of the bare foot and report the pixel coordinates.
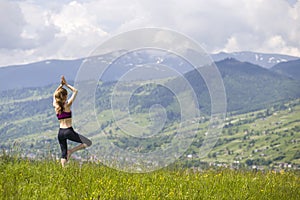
(63, 162)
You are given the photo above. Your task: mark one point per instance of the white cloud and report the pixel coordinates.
(231, 25)
(34, 29)
(12, 23)
(79, 30)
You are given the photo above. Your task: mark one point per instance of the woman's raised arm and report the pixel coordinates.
(73, 89)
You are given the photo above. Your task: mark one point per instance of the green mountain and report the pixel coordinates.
(290, 69)
(248, 87)
(262, 126)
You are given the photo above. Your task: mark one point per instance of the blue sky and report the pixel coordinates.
(34, 30)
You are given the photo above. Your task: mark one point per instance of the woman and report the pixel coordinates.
(64, 115)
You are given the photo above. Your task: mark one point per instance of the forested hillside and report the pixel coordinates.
(262, 126)
(290, 69)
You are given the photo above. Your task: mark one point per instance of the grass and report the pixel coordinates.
(25, 179)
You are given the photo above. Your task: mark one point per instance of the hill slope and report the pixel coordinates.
(248, 86)
(290, 69)
(265, 137)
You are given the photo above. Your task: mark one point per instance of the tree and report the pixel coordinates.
(297, 155)
(249, 162)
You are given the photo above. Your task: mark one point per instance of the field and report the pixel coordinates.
(25, 179)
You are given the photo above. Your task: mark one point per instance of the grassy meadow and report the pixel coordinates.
(26, 179)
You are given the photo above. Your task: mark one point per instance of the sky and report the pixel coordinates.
(35, 30)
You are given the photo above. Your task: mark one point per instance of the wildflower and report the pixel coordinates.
(205, 175)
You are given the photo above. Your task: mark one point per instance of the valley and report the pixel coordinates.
(265, 138)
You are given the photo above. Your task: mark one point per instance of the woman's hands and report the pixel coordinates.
(74, 90)
(63, 80)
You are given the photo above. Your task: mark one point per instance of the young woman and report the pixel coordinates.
(66, 132)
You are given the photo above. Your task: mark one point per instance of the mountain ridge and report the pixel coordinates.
(48, 72)
(266, 60)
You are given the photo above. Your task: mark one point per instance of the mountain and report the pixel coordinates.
(269, 137)
(27, 117)
(290, 69)
(142, 65)
(248, 87)
(37, 74)
(262, 59)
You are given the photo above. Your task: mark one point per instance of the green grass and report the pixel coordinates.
(24, 179)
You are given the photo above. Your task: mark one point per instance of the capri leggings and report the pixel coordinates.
(70, 134)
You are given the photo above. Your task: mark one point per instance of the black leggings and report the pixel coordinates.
(70, 134)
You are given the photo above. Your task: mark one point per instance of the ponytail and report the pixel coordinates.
(59, 98)
(60, 108)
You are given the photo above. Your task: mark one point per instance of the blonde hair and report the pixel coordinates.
(60, 98)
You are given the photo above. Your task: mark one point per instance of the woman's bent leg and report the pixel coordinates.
(73, 136)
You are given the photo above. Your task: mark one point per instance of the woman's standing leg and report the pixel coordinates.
(63, 146)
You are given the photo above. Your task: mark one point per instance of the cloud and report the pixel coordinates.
(233, 25)
(79, 29)
(35, 30)
(12, 23)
